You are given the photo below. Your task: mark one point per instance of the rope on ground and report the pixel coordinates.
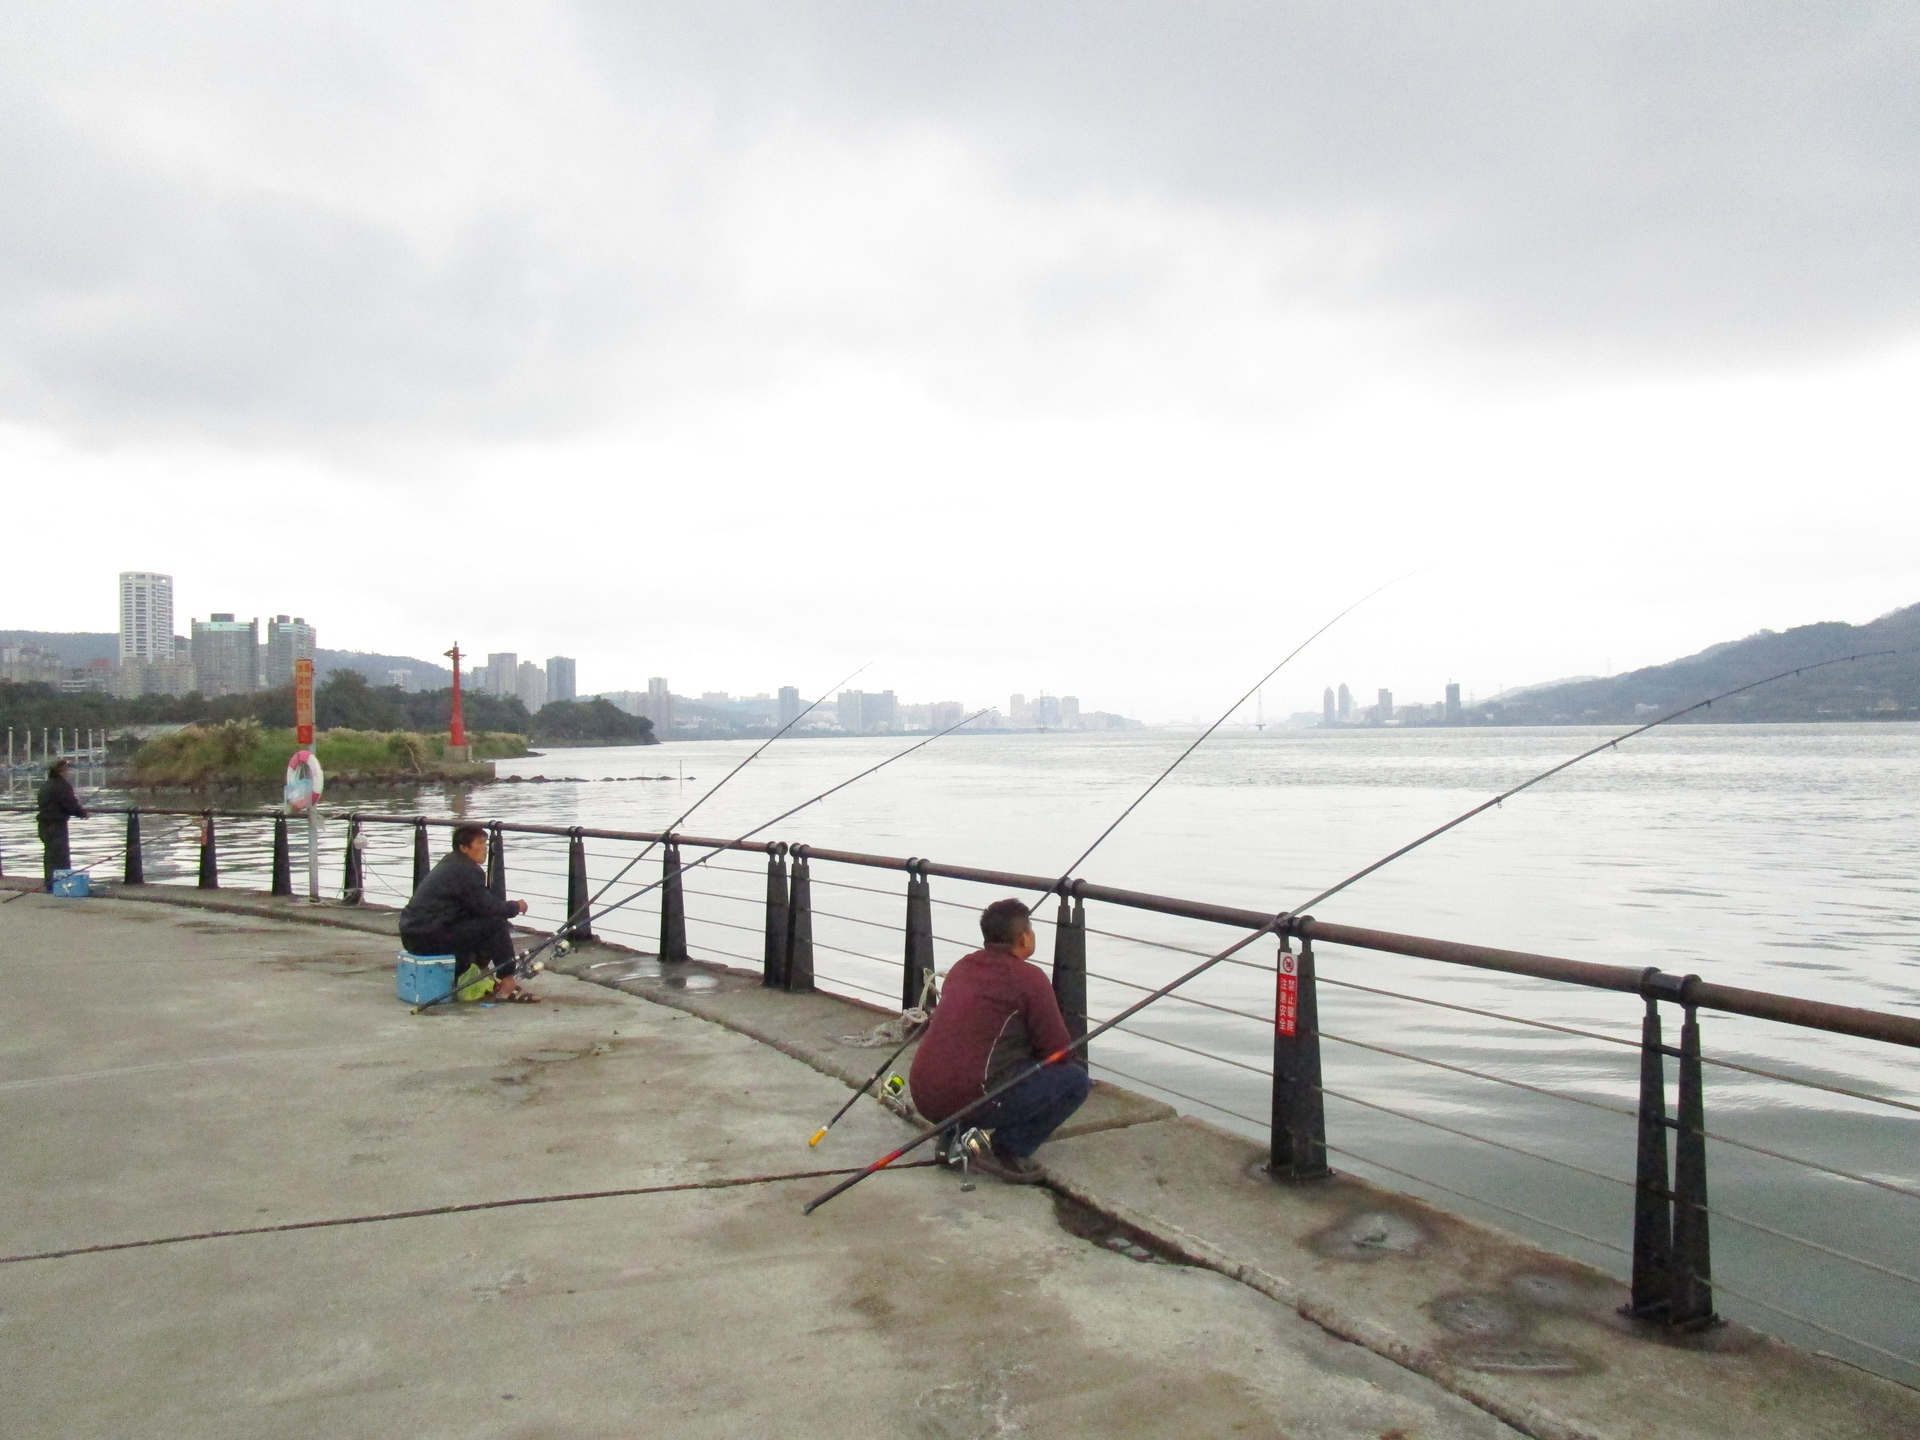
(896, 1030)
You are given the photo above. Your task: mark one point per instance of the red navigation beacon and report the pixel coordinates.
(458, 738)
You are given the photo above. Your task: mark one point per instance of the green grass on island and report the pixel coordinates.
(245, 753)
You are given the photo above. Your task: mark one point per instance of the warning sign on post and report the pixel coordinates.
(303, 702)
(1286, 1003)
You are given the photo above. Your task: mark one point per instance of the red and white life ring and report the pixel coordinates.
(305, 781)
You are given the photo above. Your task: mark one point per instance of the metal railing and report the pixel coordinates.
(794, 917)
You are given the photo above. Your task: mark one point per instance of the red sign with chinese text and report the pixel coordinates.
(303, 701)
(1286, 1003)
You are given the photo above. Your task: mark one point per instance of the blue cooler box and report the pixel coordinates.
(71, 883)
(422, 978)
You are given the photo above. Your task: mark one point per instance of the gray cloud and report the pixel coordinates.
(1626, 185)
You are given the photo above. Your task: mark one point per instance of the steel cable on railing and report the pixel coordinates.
(1814, 1245)
(1719, 1284)
(1203, 1054)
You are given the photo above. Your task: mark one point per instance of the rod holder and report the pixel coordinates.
(282, 860)
(919, 937)
(209, 854)
(136, 867)
(773, 967)
(1070, 968)
(799, 966)
(579, 898)
(1672, 1282)
(673, 905)
(1299, 1121)
(422, 854)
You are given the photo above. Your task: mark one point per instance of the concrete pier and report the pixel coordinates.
(171, 1070)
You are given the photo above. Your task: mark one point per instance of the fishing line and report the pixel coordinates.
(1286, 923)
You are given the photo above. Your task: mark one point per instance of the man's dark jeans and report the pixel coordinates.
(1040, 1104)
(58, 853)
(478, 941)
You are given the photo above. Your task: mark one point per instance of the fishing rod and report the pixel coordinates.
(528, 964)
(738, 839)
(1060, 885)
(1289, 922)
(914, 1018)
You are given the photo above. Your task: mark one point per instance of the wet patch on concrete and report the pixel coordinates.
(1493, 1333)
(1086, 1223)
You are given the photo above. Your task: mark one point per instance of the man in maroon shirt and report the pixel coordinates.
(996, 1016)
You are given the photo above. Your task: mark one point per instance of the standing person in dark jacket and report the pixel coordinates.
(997, 1015)
(455, 913)
(57, 805)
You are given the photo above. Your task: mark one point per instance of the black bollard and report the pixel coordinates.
(422, 854)
(799, 966)
(1299, 1121)
(579, 898)
(209, 856)
(773, 970)
(919, 954)
(673, 906)
(282, 861)
(136, 871)
(1070, 970)
(497, 861)
(353, 882)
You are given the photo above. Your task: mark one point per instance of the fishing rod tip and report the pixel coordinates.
(818, 1136)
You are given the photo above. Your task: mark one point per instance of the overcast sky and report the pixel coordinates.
(1100, 349)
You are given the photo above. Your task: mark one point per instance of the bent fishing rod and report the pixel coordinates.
(1060, 885)
(1289, 922)
(738, 839)
(572, 922)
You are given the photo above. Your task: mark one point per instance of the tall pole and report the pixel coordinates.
(457, 731)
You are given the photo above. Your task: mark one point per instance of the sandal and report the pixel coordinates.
(517, 997)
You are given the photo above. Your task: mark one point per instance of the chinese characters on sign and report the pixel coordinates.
(303, 701)
(1286, 1008)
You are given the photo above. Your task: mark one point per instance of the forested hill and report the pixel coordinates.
(1887, 688)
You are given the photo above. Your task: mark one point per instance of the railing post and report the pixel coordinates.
(1692, 1257)
(919, 951)
(353, 882)
(1652, 1198)
(1070, 969)
(579, 924)
(673, 905)
(209, 854)
(136, 870)
(773, 970)
(282, 861)
(1672, 1260)
(497, 861)
(799, 966)
(422, 853)
(1299, 1121)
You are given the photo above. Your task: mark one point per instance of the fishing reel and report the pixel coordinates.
(525, 967)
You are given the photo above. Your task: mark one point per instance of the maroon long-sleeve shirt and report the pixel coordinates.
(996, 1014)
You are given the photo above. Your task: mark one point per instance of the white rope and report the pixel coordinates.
(896, 1030)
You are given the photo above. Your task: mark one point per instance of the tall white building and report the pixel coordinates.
(560, 682)
(146, 616)
(531, 686)
(503, 674)
(660, 707)
(288, 640)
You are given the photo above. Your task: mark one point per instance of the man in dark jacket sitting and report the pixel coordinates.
(455, 913)
(996, 1016)
(56, 804)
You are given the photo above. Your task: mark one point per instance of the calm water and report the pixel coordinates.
(1778, 857)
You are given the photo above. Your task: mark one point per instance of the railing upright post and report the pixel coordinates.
(1299, 1121)
(1652, 1197)
(422, 853)
(773, 969)
(136, 868)
(919, 928)
(579, 897)
(1692, 1258)
(282, 861)
(1070, 969)
(673, 905)
(209, 854)
(799, 966)
(497, 861)
(353, 882)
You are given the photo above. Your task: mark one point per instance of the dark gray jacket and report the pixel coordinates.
(56, 805)
(455, 890)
